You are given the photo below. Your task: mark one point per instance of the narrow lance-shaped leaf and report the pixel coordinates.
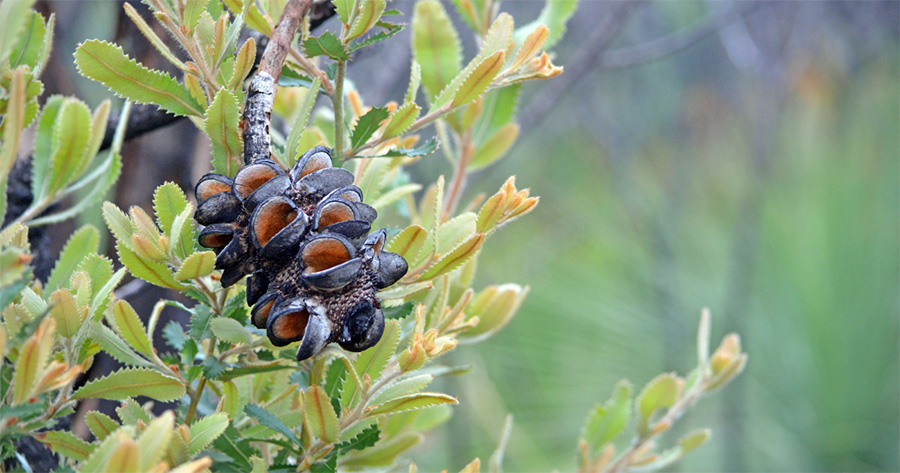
(554, 15)
(367, 125)
(70, 141)
(229, 330)
(455, 258)
(107, 63)
(222, 119)
(14, 16)
(402, 119)
(436, 46)
(206, 430)
(321, 417)
(131, 328)
(100, 424)
(494, 147)
(148, 33)
(269, 420)
(67, 443)
(154, 440)
(368, 13)
(128, 382)
(291, 145)
(479, 80)
(80, 244)
(153, 272)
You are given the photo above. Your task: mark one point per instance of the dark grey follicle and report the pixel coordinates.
(257, 114)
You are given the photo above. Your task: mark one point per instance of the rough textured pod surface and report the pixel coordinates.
(302, 235)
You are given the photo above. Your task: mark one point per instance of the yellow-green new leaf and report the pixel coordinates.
(130, 382)
(301, 119)
(66, 312)
(168, 201)
(494, 147)
(367, 14)
(320, 414)
(108, 64)
(243, 64)
(154, 440)
(205, 430)
(413, 402)
(66, 443)
(660, 393)
(479, 80)
(114, 346)
(83, 242)
(408, 243)
(372, 361)
(554, 15)
(607, 421)
(31, 361)
(455, 258)
(198, 264)
(118, 223)
(99, 459)
(100, 424)
(222, 126)
(436, 46)
(153, 272)
(384, 453)
(402, 119)
(71, 133)
(129, 325)
(125, 457)
(229, 330)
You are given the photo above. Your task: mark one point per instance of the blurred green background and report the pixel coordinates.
(751, 168)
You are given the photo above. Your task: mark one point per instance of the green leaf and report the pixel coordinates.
(249, 370)
(154, 272)
(84, 241)
(192, 11)
(269, 420)
(67, 443)
(409, 242)
(403, 387)
(206, 430)
(326, 45)
(168, 202)
(71, 133)
(174, 335)
(607, 421)
(425, 148)
(100, 424)
(43, 145)
(31, 362)
(334, 381)
(391, 30)
(129, 325)
(132, 413)
(367, 125)
(436, 46)
(362, 441)
(155, 439)
(415, 79)
(243, 64)
(231, 444)
(200, 318)
(478, 80)
(301, 119)
(384, 453)
(455, 258)
(402, 119)
(66, 312)
(494, 147)
(182, 238)
(222, 126)
(456, 231)
(344, 8)
(130, 382)
(197, 265)
(554, 15)
(660, 393)
(118, 223)
(413, 402)
(321, 417)
(365, 16)
(229, 330)
(106, 63)
(395, 194)
(113, 345)
(28, 45)
(15, 17)
(98, 181)
(372, 361)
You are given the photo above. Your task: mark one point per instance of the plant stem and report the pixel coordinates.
(198, 393)
(338, 100)
(459, 174)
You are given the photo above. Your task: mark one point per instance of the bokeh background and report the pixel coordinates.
(741, 156)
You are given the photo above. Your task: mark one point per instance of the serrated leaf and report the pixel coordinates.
(213, 368)
(154, 272)
(390, 31)
(384, 453)
(367, 125)
(192, 11)
(425, 148)
(415, 79)
(436, 46)
(222, 126)
(197, 265)
(84, 241)
(394, 195)
(66, 312)
(366, 15)
(231, 444)
(229, 330)
(323, 422)
(124, 457)
(403, 387)
(456, 231)
(132, 413)
(108, 64)
(98, 181)
(28, 44)
(200, 318)
(372, 361)
(130, 327)
(71, 133)
(168, 201)
(174, 335)
(554, 15)
(118, 223)
(130, 382)
(183, 232)
(361, 441)
(494, 147)
(455, 258)
(402, 119)
(478, 80)
(67, 443)
(115, 346)
(408, 243)
(15, 16)
(100, 424)
(660, 393)
(206, 430)
(155, 439)
(607, 421)
(301, 119)
(30, 363)
(325, 45)
(243, 64)
(43, 145)
(148, 33)
(401, 292)
(413, 402)
(343, 8)
(269, 420)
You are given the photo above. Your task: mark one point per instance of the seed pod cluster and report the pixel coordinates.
(303, 238)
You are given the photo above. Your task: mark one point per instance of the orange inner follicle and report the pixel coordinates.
(216, 240)
(351, 196)
(211, 187)
(251, 178)
(334, 212)
(262, 315)
(320, 255)
(272, 219)
(315, 163)
(291, 325)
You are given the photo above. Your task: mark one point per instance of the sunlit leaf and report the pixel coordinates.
(436, 46)
(129, 382)
(67, 443)
(100, 424)
(321, 417)
(197, 265)
(130, 327)
(206, 430)
(269, 420)
(325, 45)
(84, 241)
(222, 127)
(229, 330)
(367, 125)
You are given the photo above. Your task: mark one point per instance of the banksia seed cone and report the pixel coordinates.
(303, 238)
